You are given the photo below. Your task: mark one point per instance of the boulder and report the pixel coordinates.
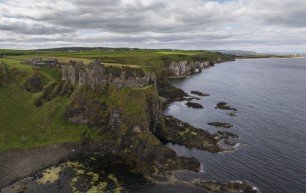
(194, 105)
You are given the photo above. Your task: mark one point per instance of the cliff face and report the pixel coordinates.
(125, 119)
(188, 67)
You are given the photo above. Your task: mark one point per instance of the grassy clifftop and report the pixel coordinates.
(149, 60)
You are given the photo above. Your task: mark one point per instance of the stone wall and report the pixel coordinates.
(95, 75)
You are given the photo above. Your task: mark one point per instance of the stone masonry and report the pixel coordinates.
(95, 75)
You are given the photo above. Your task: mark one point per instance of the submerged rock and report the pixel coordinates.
(199, 93)
(219, 124)
(224, 106)
(231, 114)
(194, 105)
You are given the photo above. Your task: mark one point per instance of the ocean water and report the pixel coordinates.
(270, 95)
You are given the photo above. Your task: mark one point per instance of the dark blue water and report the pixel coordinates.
(270, 95)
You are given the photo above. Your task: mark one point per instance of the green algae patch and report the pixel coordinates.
(100, 188)
(50, 175)
(95, 177)
(74, 165)
(118, 188)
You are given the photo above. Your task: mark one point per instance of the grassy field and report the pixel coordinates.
(22, 125)
(149, 60)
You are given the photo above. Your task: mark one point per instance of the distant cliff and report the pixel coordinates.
(183, 68)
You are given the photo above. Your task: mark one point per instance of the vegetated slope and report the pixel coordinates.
(37, 109)
(22, 124)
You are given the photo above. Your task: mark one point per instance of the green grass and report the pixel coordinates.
(149, 60)
(23, 125)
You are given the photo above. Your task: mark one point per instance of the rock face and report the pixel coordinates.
(128, 133)
(33, 84)
(186, 68)
(53, 90)
(97, 75)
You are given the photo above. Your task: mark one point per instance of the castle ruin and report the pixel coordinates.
(96, 74)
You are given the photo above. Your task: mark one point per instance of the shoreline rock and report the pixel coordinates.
(224, 106)
(219, 124)
(231, 114)
(199, 93)
(232, 187)
(178, 132)
(194, 105)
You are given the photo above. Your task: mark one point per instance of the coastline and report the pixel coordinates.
(49, 156)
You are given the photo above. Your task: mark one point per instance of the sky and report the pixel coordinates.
(255, 25)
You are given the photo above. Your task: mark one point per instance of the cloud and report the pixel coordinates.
(261, 25)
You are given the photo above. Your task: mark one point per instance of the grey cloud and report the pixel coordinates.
(191, 24)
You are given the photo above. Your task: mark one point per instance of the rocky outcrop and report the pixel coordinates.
(224, 106)
(167, 90)
(232, 187)
(194, 105)
(33, 84)
(178, 132)
(186, 68)
(53, 90)
(199, 93)
(129, 133)
(223, 125)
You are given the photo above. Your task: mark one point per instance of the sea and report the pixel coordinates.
(270, 95)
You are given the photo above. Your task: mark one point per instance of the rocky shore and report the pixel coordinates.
(178, 132)
(129, 129)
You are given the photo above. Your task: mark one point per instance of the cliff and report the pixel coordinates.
(124, 120)
(183, 68)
